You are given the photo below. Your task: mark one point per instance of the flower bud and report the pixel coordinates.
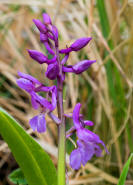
(46, 19)
(52, 71)
(77, 45)
(82, 66)
(38, 56)
(41, 27)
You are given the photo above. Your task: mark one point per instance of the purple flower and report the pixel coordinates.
(38, 123)
(41, 27)
(52, 71)
(27, 82)
(46, 19)
(88, 142)
(40, 57)
(77, 45)
(79, 67)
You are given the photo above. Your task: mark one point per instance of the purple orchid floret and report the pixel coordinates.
(88, 142)
(40, 57)
(77, 45)
(38, 123)
(46, 19)
(27, 82)
(52, 71)
(79, 67)
(41, 27)
(32, 86)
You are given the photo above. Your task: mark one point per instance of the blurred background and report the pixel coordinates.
(105, 90)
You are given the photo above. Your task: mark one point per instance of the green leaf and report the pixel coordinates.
(123, 176)
(32, 159)
(17, 177)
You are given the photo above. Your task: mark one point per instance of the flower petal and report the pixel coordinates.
(33, 122)
(86, 150)
(75, 159)
(88, 123)
(34, 103)
(76, 113)
(38, 122)
(88, 136)
(98, 151)
(41, 125)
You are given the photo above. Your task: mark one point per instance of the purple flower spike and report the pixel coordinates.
(82, 66)
(46, 19)
(77, 45)
(52, 71)
(38, 123)
(75, 159)
(38, 56)
(41, 27)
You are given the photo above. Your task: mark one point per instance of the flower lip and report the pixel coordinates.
(75, 159)
(38, 123)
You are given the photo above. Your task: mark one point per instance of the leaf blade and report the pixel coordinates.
(123, 175)
(27, 152)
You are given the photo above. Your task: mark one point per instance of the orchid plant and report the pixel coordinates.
(88, 143)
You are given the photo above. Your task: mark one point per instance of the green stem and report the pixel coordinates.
(61, 128)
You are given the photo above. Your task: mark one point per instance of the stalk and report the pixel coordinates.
(61, 128)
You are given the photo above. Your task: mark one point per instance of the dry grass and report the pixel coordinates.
(105, 91)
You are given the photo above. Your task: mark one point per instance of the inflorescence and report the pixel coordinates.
(87, 141)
